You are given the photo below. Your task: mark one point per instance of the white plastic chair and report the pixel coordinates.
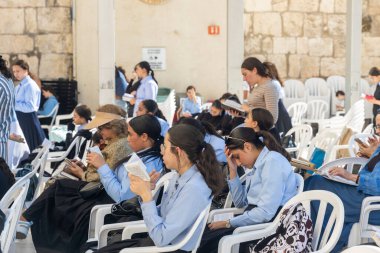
(317, 89)
(370, 90)
(321, 242)
(11, 204)
(294, 92)
(302, 136)
(53, 115)
(131, 228)
(363, 249)
(335, 83)
(368, 129)
(99, 212)
(206, 106)
(297, 111)
(325, 140)
(316, 110)
(168, 107)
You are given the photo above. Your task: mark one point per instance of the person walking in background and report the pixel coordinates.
(148, 87)
(121, 85)
(27, 102)
(6, 106)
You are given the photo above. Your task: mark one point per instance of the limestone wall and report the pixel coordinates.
(306, 38)
(38, 31)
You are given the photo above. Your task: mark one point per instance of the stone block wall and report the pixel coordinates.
(40, 32)
(306, 38)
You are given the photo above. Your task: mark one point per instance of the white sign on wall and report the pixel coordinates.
(156, 56)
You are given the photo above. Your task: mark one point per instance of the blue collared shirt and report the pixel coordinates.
(6, 107)
(185, 198)
(164, 126)
(369, 182)
(270, 184)
(147, 90)
(117, 184)
(191, 107)
(48, 106)
(218, 144)
(28, 96)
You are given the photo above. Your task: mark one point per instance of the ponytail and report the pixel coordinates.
(272, 144)
(152, 74)
(207, 164)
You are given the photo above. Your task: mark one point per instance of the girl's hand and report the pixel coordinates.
(338, 171)
(76, 170)
(217, 225)
(95, 159)
(232, 164)
(140, 187)
(154, 176)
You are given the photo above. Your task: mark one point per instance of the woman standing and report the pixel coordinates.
(6, 107)
(28, 96)
(264, 93)
(148, 88)
(374, 77)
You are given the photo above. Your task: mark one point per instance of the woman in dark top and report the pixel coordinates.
(374, 76)
(214, 116)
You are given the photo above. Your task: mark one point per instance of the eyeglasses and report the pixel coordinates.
(162, 148)
(229, 138)
(377, 127)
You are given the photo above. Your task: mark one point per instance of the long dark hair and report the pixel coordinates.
(4, 70)
(251, 62)
(83, 111)
(273, 72)
(152, 107)
(263, 117)
(49, 89)
(191, 140)
(259, 139)
(145, 65)
(203, 126)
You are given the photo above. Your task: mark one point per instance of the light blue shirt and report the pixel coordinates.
(164, 126)
(369, 182)
(218, 144)
(180, 207)
(117, 184)
(147, 90)
(28, 96)
(270, 184)
(6, 107)
(191, 107)
(48, 106)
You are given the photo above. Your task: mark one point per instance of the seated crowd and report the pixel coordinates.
(210, 153)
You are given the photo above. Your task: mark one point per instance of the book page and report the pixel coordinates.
(325, 173)
(95, 149)
(233, 105)
(136, 167)
(223, 217)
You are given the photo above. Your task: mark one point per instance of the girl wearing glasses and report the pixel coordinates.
(270, 183)
(185, 152)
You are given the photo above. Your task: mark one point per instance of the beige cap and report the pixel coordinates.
(101, 118)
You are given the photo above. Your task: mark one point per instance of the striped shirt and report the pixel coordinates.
(265, 96)
(6, 107)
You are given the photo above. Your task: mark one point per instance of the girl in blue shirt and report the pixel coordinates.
(150, 106)
(184, 151)
(270, 183)
(192, 104)
(50, 102)
(148, 87)
(27, 102)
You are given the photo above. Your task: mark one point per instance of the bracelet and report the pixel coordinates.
(357, 179)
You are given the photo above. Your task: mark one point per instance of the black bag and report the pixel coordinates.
(130, 207)
(91, 190)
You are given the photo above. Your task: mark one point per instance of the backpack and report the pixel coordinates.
(294, 233)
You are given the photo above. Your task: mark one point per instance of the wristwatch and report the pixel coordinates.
(228, 224)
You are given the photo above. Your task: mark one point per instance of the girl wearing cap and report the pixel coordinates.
(185, 152)
(148, 86)
(59, 217)
(270, 183)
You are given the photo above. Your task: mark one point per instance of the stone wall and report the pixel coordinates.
(38, 31)
(306, 38)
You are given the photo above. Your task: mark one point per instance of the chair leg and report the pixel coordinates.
(354, 238)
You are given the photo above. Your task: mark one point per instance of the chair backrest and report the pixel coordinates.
(297, 111)
(367, 89)
(317, 109)
(302, 136)
(355, 117)
(294, 92)
(163, 182)
(168, 107)
(348, 162)
(325, 140)
(40, 169)
(335, 83)
(206, 106)
(300, 183)
(368, 129)
(316, 88)
(327, 240)
(11, 204)
(53, 115)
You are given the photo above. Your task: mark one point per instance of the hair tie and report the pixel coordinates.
(261, 138)
(203, 146)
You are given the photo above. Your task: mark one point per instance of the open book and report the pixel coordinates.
(232, 105)
(325, 173)
(136, 167)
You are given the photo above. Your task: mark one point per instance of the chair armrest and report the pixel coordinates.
(233, 210)
(97, 215)
(105, 229)
(58, 118)
(227, 242)
(134, 229)
(365, 228)
(256, 227)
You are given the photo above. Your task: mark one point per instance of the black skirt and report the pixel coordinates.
(31, 127)
(61, 217)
